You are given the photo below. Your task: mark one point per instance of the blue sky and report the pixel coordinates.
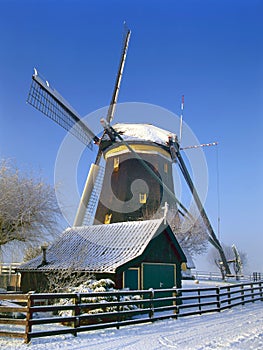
(210, 51)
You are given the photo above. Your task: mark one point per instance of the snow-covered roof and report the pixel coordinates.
(143, 132)
(98, 248)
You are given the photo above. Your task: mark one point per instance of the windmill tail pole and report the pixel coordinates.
(213, 238)
(181, 120)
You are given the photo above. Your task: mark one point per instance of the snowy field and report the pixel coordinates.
(237, 328)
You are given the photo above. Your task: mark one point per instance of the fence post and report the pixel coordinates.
(151, 311)
(77, 301)
(218, 303)
(9, 274)
(176, 309)
(252, 292)
(260, 290)
(199, 301)
(228, 296)
(242, 294)
(118, 310)
(29, 313)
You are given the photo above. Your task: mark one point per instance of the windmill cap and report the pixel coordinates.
(144, 132)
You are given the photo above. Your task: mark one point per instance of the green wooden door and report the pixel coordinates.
(158, 276)
(131, 279)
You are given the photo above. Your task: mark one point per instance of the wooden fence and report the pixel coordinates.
(216, 276)
(8, 269)
(9, 278)
(116, 309)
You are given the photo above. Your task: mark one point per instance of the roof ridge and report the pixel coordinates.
(122, 223)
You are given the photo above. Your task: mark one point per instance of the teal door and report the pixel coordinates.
(131, 279)
(158, 276)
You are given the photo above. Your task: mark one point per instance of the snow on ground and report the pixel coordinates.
(238, 328)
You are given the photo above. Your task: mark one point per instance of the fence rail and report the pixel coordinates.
(14, 305)
(216, 276)
(9, 278)
(8, 269)
(90, 311)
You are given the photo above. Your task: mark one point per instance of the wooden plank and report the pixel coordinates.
(37, 321)
(53, 332)
(11, 296)
(40, 296)
(13, 309)
(15, 321)
(48, 308)
(12, 334)
(115, 303)
(191, 290)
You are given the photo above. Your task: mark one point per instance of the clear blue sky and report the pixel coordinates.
(210, 51)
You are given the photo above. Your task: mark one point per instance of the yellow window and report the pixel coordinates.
(107, 219)
(183, 266)
(142, 198)
(165, 167)
(116, 163)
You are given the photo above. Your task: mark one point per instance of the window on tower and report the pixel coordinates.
(116, 163)
(107, 219)
(142, 198)
(165, 167)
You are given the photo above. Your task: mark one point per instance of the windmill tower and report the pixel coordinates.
(129, 191)
(138, 174)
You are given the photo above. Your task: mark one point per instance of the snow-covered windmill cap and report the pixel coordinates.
(143, 132)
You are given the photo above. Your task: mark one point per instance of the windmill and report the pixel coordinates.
(237, 262)
(131, 152)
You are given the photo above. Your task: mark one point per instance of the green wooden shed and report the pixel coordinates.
(135, 255)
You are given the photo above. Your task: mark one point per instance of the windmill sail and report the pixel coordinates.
(94, 198)
(90, 196)
(237, 261)
(91, 192)
(175, 152)
(114, 99)
(116, 90)
(53, 105)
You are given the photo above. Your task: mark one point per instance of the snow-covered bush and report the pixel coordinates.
(96, 286)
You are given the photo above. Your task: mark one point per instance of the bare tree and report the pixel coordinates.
(191, 234)
(31, 252)
(29, 212)
(60, 281)
(237, 260)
